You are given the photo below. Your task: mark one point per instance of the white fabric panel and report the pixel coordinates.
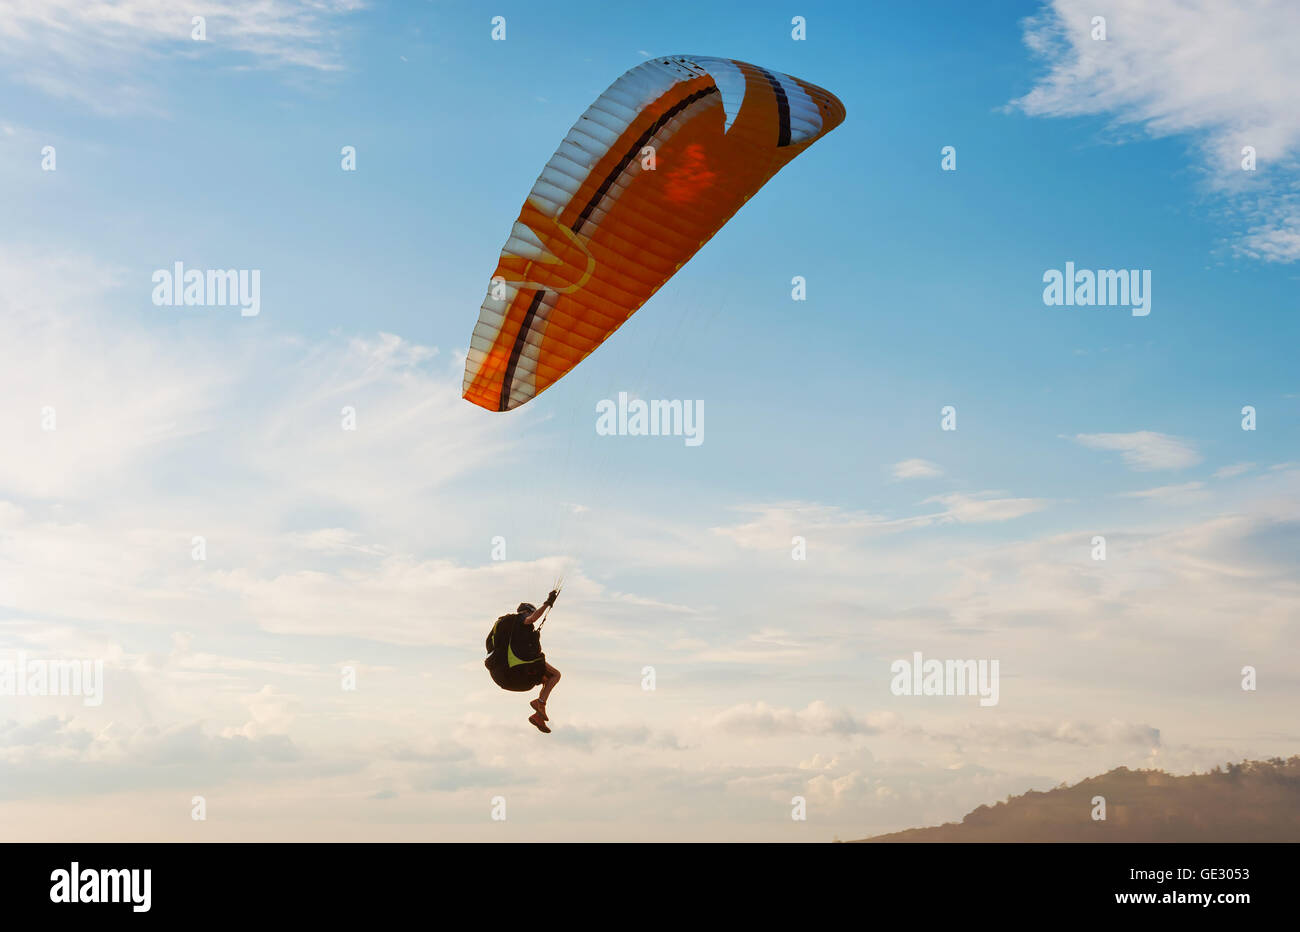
(731, 85)
(805, 115)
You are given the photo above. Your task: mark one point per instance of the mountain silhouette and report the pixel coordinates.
(1254, 801)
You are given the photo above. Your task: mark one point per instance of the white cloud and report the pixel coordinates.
(994, 735)
(916, 469)
(1236, 469)
(114, 393)
(817, 718)
(1223, 75)
(1278, 241)
(1171, 494)
(122, 393)
(161, 437)
(101, 52)
(983, 507)
(328, 547)
(1145, 450)
(776, 523)
(270, 713)
(835, 529)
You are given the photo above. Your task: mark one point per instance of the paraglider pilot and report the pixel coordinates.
(515, 657)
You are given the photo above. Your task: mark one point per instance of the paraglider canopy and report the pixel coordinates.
(655, 167)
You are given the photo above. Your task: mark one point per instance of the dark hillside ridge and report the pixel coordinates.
(1254, 801)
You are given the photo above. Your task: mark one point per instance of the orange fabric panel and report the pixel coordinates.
(626, 230)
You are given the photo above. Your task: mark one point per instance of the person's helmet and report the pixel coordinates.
(526, 607)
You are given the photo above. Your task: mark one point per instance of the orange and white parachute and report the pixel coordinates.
(602, 231)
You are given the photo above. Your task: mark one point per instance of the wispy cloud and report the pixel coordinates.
(983, 507)
(123, 443)
(1003, 735)
(88, 398)
(775, 523)
(1171, 494)
(817, 718)
(1236, 469)
(916, 469)
(101, 52)
(1223, 75)
(1145, 450)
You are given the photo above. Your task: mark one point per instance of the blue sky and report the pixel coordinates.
(925, 285)
(371, 548)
